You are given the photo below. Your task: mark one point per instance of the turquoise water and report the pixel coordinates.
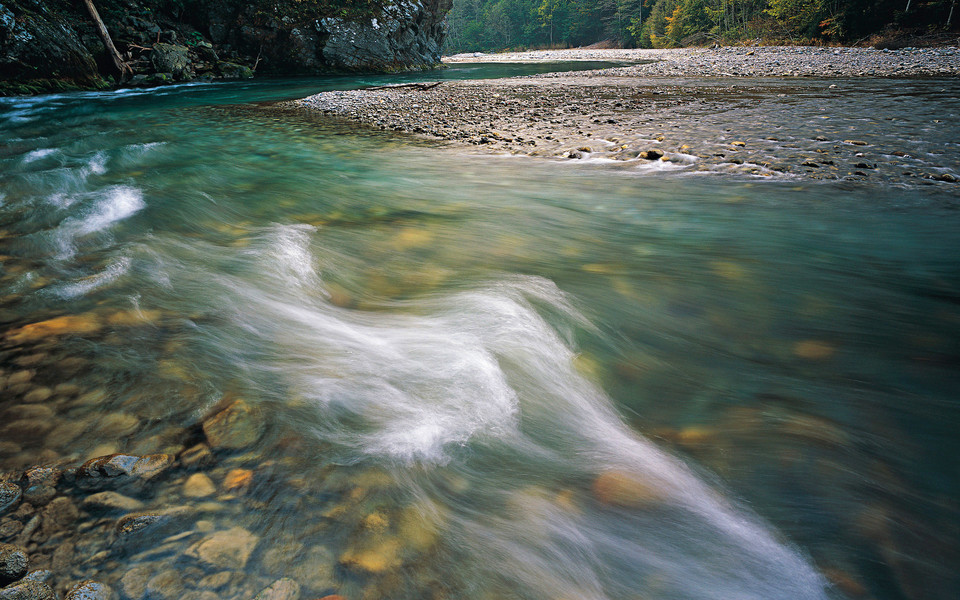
(482, 376)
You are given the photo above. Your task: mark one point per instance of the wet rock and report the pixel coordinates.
(10, 494)
(199, 485)
(40, 394)
(619, 488)
(40, 576)
(114, 465)
(282, 589)
(170, 58)
(230, 549)
(231, 70)
(28, 590)
(13, 563)
(111, 501)
(62, 556)
(90, 590)
(237, 426)
(651, 154)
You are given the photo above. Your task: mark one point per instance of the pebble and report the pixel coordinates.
(111, 501)
(199, 485)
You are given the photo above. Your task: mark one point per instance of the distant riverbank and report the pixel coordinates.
(692, 109)
(765, 61)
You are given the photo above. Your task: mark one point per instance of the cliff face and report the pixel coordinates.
(52, 44)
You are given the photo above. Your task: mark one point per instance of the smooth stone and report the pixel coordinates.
(59, 514)
(237, 480)
(28, 590)
(90, 590)
(26, 430)
(230, 549)
(197, 456)
(282, 589)
(40, 394)
(216, 581)
(10, 494)
(165, 585)
(377, 557)
(117, 425)
(111, 501)
(236, 426)
(133, 584)
(13, 563)
(199, 485)
(66, 325)
(29, 411)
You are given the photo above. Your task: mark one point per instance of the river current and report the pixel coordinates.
(475, 376)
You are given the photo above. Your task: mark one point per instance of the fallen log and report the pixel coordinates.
(418, 86)
(123, 69)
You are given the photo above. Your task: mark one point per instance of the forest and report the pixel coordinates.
(485, 25)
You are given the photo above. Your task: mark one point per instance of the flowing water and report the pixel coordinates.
(477, 377)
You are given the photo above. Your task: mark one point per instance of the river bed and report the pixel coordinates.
(385, 369)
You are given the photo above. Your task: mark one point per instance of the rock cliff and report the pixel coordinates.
(48, 45)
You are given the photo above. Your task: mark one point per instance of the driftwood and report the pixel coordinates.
(418, 86)
(123, 69)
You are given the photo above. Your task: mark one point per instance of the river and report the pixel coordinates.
(471, 376)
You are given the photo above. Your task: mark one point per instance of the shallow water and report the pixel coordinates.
(479, 376)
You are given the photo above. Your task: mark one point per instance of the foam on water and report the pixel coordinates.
(482, 383)
(107, 207)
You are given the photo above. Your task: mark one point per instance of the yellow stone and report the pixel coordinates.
(237, 479)
(376, 558)
(133, 317)
(375, 522)
(412, 238)
(198, 485)
(729, 270)
(813, 350)
(620, 488)
(66, 325)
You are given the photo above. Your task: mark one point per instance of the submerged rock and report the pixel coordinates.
(111, 501)
(115, 465)
(199, 485)
(230, 549)
(236, 426)
(619, 488)
(282, 589)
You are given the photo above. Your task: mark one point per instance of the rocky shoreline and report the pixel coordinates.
(674, 113)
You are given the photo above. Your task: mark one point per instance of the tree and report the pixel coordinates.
(123, 69)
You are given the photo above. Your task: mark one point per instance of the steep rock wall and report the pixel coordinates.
(50, 44)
